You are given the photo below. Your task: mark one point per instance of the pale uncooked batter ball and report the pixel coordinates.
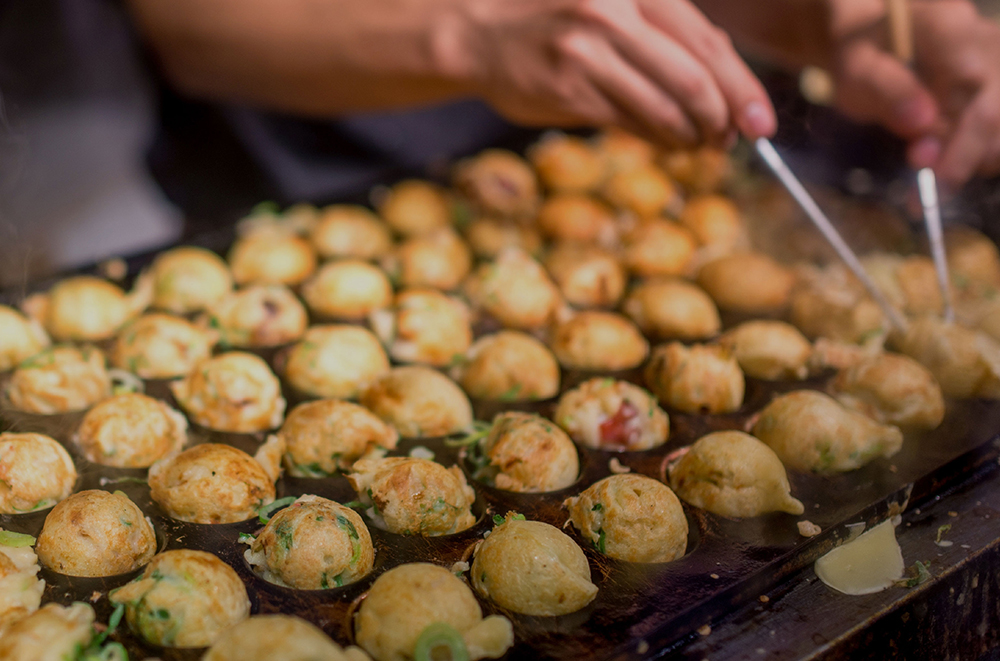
(87, 309)
(659, 247)
(188, 279)
(184, 599)
(508, 366)
(335, 361)
(52, 633)
(514, 289)
(411, 496)
(747, 282)
(347, 289)
(439, 259)
(588, 277)
(577, 218)
(258, 316)
(131, 430)
(526, 453)
(271, 256)
(498, 182)
(96, 533)
(20, 338)
(644, 190)
(702, 378)
(161, 346)
(60, 380)
(234, 392)
(532, 568)
(36, 472)
(631, 517)
(892, 389)
(607, 414)
(285, 637)
(567, 163)
(414, 207)
(769, 350)
(672, 308)
(349, 231)
(418, 401)
(594, 340)
(424, 326)
(406, 600)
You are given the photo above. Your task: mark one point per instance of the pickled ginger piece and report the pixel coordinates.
(870, 563)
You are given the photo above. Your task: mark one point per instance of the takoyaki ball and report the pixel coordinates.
(594, 340)
(966, 363)
(810, 431)
(418, 401)
(335, 361)
(52, 633)
(632, 518)
(892, 389)
(211, 483)
(346, 231)
(701, 170)
(234, 392)
(830, 303)
(498, 182)
(908, 283)
(327, 435)
(20, 587)
(528, 454)
(188, 279)
(259, 316)
(406, 600)
(588, 277)
(130, 430)
(184, 598)
(271, 257)
(59, 380)
(161, 346)
(285, 637)
(567, 163)
(659, 247)
(973, 260)
(769, 350)
(731, 473)
(623, 151)
(20, 338)
(508, 366)
(314, 544)
(608, 414)
(411, 496)
(670, 308)
(747, 282)
(646, 191)
(414, 207)
(716, 223)
(35, 472)
(439, 259)
(347, 289)
(532, 568)
(514, 289)
(86, 309)
(701, 378)
(96, 533)
(424, 326)
(488, 237)
(576, 217)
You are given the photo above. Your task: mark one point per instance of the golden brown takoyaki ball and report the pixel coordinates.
(234, 392)
(701, 378)
(188, 279)
(86, 309)
(413, 207)
(347, 289)
(424, 326)
(20, 338)
(514, 289)
(488, 237)
(670, 308)
(20, 587)
(892, 389)
(35, 472)
(973, 260)
(646, 191)
(908, 283)
(498, 182)
(747, 282)
(623, 151)
(439, 259)
(335, 361)
(659, 247)
(966, 363)
(608, 414)
(161, 346)
(594, 340)
(52, 633)
(327, 435)
(830, 303)
(587, 276)
(96, 533)
(716, 223)
(526, 453)
(567, 163)
(258, 316)
(769, 350)
(130, 430)
(408, 599)
(508, 366)
(313, 544)
(632, 518)
(810, 431)
(411, 496)
(731, 473)
(285, 637)
(184, 598)
(211, 483)
(59, 380)
(577, 217)
(532, 568)
(347, 231)
(418, 401)
(271, 257)
(701, 170)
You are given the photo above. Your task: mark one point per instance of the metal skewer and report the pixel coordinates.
(830, 233)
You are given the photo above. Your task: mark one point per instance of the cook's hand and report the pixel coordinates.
(655, 67)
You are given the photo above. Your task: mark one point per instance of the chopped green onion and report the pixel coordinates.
(264, 513)
(602, 541)
(480, 430)
(15, 539)
(497, 519)
(246, 538)
(437, 636)
(352, 504)
(597, 507)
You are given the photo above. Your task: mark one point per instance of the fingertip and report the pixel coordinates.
(924, 153)
(757, 120)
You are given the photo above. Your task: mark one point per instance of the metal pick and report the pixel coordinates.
(927, 185)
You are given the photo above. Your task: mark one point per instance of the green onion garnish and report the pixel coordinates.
(437, 636)
(264, 513)
(15, 539)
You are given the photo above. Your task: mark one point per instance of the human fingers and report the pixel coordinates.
(973, 145)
